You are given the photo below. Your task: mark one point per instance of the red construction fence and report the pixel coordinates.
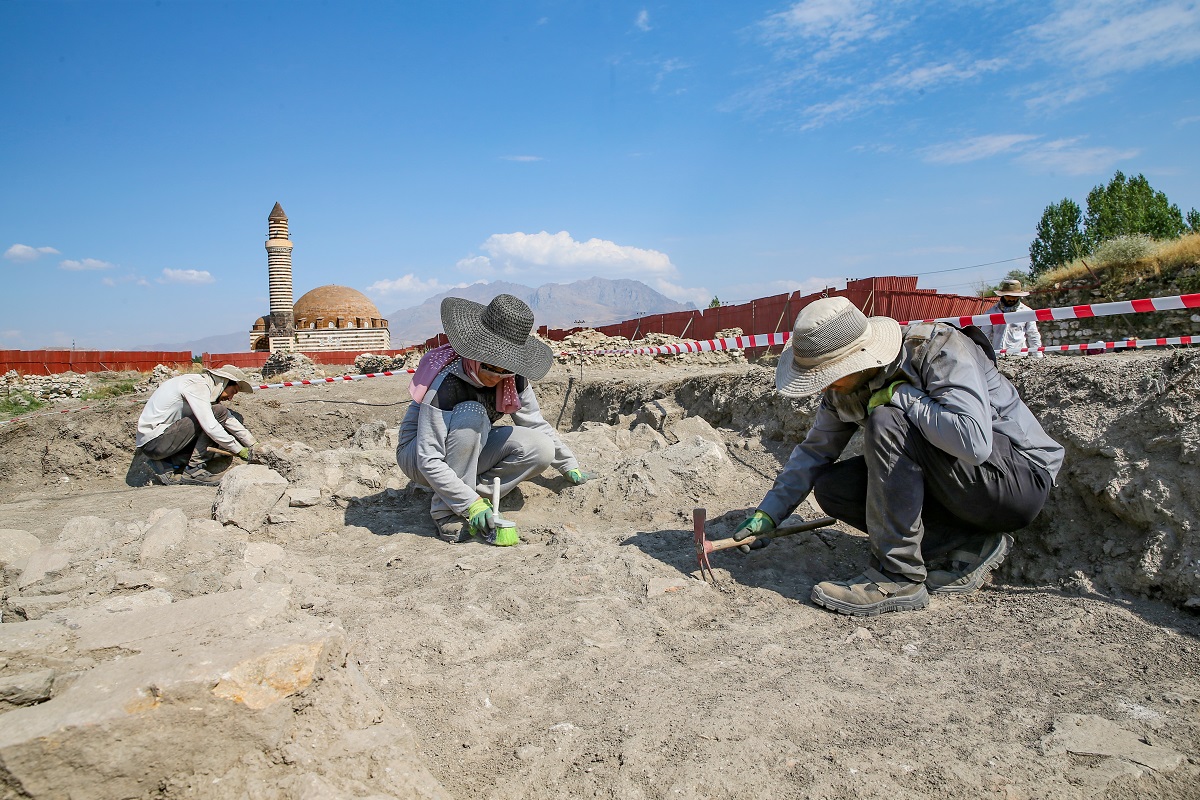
(52, 362)
(896, 297)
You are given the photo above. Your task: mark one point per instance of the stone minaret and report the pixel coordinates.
(281, 331)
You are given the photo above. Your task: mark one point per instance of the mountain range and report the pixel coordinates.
(590, 302)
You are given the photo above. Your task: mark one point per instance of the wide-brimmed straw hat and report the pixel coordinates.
(498, 334)
(232, 374)
(1010, 287)
(830, 340)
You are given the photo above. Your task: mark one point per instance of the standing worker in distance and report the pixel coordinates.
(184, 416)
(449, 440)
(952, 458)
(1013, 337)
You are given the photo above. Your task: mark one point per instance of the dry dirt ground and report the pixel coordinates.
(328, 645)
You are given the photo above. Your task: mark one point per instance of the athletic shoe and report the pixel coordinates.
(199, 476)
(968, 570)
(870, 594)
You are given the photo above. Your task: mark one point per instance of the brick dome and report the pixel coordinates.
(336, 307)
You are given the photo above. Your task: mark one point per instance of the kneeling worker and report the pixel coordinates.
(952, 458)
(186, 414)
(449, 440)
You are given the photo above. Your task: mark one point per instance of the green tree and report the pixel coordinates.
(715, 302)
(1193, 221)
(1059, 239)
(1127, 207)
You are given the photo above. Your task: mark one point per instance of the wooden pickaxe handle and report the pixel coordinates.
(784, 530)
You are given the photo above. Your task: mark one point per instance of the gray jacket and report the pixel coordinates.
(421, 451)
(953, 395)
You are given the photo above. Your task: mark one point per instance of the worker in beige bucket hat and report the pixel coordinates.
(952, 459)
(1015, 339)
(185, 415)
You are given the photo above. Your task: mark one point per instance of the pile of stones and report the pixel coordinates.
(585, 347)
(63, 386)
(160, 374)
(291, 365)
(368, 363)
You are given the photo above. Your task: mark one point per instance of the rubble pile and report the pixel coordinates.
(586, 347)
(160, 374)
(368, 363)
(63, 386)
(291, 366)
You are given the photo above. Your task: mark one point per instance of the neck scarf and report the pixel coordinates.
(437, 359)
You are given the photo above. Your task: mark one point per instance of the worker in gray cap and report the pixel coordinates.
(953, 460)
(186, 415)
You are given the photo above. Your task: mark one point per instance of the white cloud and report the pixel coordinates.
(1101, 37)
(87, 263)
(11, 335)
(522, 159)
(411, 284)
(1186, 121)
(134, 278)
(1067, 156)
(643, 20)
(192, 276)
(23, 252)
(521, 252)
(835, 24)
(976, 148)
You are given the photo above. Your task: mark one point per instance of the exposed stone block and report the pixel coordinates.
(16, 545)
(247, 495)
(164, 536)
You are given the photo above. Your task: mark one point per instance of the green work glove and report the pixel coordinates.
(480, 517)
(244, 454)
(578, 476)
(758, 522)
(882, 397)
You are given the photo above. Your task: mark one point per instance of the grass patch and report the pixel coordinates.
(19, 403)
(1127, 258)
(118, 389)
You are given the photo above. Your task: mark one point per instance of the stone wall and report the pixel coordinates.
(1122, 326)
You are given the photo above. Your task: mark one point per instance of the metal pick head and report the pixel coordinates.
(703, 547)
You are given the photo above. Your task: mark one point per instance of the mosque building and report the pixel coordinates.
(326, 318)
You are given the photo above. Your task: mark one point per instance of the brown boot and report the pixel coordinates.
(870, 594)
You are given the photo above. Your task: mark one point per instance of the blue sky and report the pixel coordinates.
(731, 149)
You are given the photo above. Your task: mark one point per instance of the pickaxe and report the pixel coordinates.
(704, 546)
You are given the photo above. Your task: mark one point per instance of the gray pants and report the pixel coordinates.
(184, 436)
(916, 500)
(478, 453)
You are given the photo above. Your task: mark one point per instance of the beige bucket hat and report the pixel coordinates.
(233, 375)
(830, 340)
(1010, 287)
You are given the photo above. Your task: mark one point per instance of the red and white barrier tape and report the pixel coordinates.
(1137, 343)
(1037, 314)
(1075, 312)
(285, 384)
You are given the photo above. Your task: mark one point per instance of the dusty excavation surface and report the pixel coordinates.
(301, 633)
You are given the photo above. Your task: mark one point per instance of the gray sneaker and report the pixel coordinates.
(199, 476)
(968, 570)
(164, 472)
(453, 529)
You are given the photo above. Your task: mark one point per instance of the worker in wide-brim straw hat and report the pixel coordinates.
(449, 440)
(186, 415)
(952, 462)
(1017, 339)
